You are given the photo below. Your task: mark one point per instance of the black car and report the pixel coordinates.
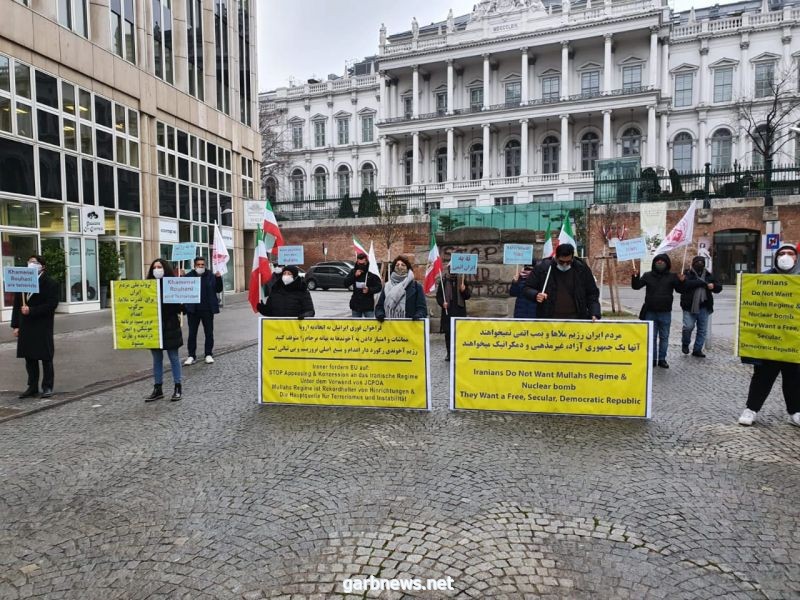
(326, 276)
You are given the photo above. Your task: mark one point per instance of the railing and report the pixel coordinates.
(733, 23)
(316, 88)
(725, 24)
(334, 207)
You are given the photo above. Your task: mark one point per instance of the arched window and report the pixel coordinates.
(271, 189)
(682, 153)
(512, 152)
(298, 185)
(550, 150)
(320, 182)
(762, 146)
(343, 180)
(441, 165)
(590, 147)
(476, 161)
(368, 176)
(408, 166)
(721, 149)
(631, 142)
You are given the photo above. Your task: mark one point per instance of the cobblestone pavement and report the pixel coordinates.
(215, 497)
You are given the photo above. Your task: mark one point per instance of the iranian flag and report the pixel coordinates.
(271, 227)
(358, 246)
(260, 273)
(565, 236)
(547, 249)
(433, 270)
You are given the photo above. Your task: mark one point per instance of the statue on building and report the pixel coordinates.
(383, 34)
(450, 24)
(414, 28)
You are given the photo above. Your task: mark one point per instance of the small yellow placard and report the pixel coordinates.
(557, 367)
(136, 314)
(768, 319)
(344, 362)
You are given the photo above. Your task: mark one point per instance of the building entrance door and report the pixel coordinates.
(735, 251)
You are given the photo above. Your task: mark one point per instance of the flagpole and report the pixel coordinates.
(547, 278)
(685, 250)
(444, 297)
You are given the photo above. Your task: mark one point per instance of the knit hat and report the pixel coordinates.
(292, 269)
(787, 246)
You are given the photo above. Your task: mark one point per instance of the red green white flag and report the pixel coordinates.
(271, 227)
(547, 250)
(261, 272)
(358, 246)
(434, 268)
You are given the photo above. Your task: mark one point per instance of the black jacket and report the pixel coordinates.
(659, 286)
(693, 282)
(524, 307)
(35, 339)
(171, 334)
(416, 306)
(291, 300)
(360, 301)
(587, 295)
(452, 286)
(210, 286)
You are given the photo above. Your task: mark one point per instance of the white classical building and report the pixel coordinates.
(515, 102)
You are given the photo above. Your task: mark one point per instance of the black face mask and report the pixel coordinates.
(660, 267)
(699, 267)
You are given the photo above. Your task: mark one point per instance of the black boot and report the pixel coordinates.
(30, 392)
(177, 394)
(156, 394)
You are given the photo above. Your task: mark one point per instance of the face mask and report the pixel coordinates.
(158, 273)
(660, 267)
(287, 280)
(400, 269)
(699, 267)
(564, 268)
(278, 270)
(199, 270)
(785, 262)
(37, 265)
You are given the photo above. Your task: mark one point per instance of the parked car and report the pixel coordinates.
(345, 264)
(326, 276)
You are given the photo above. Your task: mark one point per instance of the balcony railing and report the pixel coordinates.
(330, 207)
(516, 181)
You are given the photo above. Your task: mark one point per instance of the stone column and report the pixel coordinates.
(384, 160)
(415, 158)
(99, 24)
(665, 79)
(450, 154)
(486, 78)
(651, 136)
(415, 91)
(382, 92)
(523, 142)
(524, 92)
(564, 68)
(179, 51)
(607, 134)
(663, 160)
(487, 161)
(450, 89)
(565, 144)
(653, 66)
(608, 66)
(744, 66)
(701, 143)
(703, 75)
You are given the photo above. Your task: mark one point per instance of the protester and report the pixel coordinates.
(288, 297)
(524, 308)
(402, 297)
(765, 372)
(210, 286)
(451, 296)
(564, 287)
(659, 284)
(365, 286)
(32, 320)
(171, 334)
(697, 303)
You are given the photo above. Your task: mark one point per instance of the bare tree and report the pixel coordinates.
(274, 131)
(389, 227)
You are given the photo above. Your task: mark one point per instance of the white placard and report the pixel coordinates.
(227, 235)
(93, 220)
(168, 231)
(253, 214)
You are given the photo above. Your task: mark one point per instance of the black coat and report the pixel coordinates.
(659, 286)
(524, 307)
(692, 283)
(360, 301)
(171, 334)
(587, 295)
(291, 300)
(416, 305)
(454, 309)
(210, 286)
(35, 339)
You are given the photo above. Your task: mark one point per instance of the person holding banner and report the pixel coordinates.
(697, 303)
(402, 296)
(172, 337)
(564, 287)
(451, 296)
(210, 286)
(32, 320)
(288, 297)
(365, 286)
(524, 308)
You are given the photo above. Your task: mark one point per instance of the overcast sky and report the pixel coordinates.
(304, 38)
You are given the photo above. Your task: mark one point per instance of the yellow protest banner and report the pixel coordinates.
(136, 314)
(558, 367)
(768, 317)
(344, 362)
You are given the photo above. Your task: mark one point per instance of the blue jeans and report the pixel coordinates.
(158, 365)
(661, 322)
(689, 321)
(366, 314)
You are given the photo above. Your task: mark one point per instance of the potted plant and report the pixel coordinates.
(109, 269)
(56, 260)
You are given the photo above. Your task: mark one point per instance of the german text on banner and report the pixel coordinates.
(557, 367)
(136, 314)
(344, 362)
(768, 323)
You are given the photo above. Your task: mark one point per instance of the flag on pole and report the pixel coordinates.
(547, 249)
(219, 255)
(433, 269)
(358, 246)
(261, 272)
(373, 262)
(681, 234)
(565, 236)
(271, 227)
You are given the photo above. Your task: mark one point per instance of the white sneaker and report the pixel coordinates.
(209, 359)
(748, 416)
(189, 361)
(795, 419)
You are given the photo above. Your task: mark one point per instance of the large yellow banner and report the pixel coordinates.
(136, 314)
(768, 317)
(560, 367)
(344, 362)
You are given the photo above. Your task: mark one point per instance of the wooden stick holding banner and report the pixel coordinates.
(444, 296)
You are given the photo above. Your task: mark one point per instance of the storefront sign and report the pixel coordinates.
(93, 220)
(136, 314)
(167, 231)
(181, 290)
(517, 254)
(768, 322)
(316, 362)
(227, 235)
(184, 251)
(21, 279)
(253, 214)
(290, 255)
(463, 264)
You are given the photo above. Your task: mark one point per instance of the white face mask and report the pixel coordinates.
(287, 280)
(401, 269)
(199, 270)
(36, 265)
(563, 268)
(278, 270)
(158, 273)
(785, 262)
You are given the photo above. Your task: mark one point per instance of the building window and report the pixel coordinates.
(248, 181)
(762, 146)
(590, 145)
(368, 177)
(298, 185)
(245, 88)
(504, 201)
(550, 150)
(476, 161)
(512, 158)
(721, 150)
(320, 183)
(632, 78)
(408, 166)
(631, 142)
(319, 134)
(590, 83)
(476, 98)
(408, 107)
(162, 39)
(683, 89)
(585, 197)
(271, 189)
(123, 29)
(194, 40)
(72, 14)
(221, 44)
(682, 153)
(441, 103)
(343, 131)
(441, 165)
(513, 92)
(367, 128)
(551, 87)
(343, 180)
(723, 84)
(765, 79)
(297, 136)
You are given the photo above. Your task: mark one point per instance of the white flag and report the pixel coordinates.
(373, 262)
(219, 254)
(681, 235)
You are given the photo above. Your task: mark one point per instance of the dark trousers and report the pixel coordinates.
(764, 376)
(207, 319)
(32, 366)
